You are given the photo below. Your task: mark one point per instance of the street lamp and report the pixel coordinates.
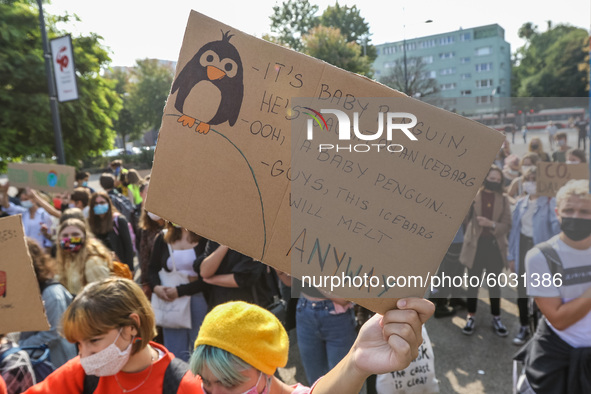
(404, 49)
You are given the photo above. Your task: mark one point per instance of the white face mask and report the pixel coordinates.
(154, 217)
(529, 187)
(525, 168)
(27, 204)
(108, 361)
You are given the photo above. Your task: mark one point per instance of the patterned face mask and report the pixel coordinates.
(108, 361)
(71, 244)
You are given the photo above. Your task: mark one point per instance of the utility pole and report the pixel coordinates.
(55, 115)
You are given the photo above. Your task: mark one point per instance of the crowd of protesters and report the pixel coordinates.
(86, 237)
(84, 241)
(511, 228)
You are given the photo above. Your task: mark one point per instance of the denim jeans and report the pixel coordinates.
(323, 338)
(179, 341)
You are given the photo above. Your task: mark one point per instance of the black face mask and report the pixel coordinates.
(494, 186)
(576, 229)
(535, 146)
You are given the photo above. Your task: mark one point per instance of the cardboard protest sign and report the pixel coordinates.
(21, 308)
(234, 163)
(552, 176)
(51, 178)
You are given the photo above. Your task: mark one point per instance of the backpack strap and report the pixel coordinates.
(90, 384)
(173, 376)
(552, 258)
(9, 352)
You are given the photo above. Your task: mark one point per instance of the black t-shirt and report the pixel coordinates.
(250, 275)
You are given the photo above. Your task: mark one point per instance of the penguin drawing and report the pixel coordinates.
(215, 74)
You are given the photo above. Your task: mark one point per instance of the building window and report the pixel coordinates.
(427, 59)
(464, 36)
(483, 51)
(431, 74)
(427, 44)
(484, 83)
(446, 55)
(411, 46)
(389, 64)
(448, 86)
(465, 92)
(464, 60)
(466, 76)
(446, 40)
(483, 99)
(447, 71)
(483, 67)
(378, 51)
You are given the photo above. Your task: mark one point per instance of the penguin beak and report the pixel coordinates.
(214, 73)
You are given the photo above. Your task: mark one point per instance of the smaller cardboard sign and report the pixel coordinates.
(21, 307)
(552, 176)
(63, 69)
(50, 178)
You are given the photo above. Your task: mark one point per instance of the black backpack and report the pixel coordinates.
(175, 372)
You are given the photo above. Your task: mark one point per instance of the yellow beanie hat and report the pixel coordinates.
(247, 331)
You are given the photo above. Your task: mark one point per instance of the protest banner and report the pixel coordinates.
(21, 307)
(50, 178)
(234, 163)
(552, 176)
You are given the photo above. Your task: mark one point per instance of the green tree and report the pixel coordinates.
(551, 64)
(328, 44)
(419, 83)
(25, 119)
(351, 24)
(143, 90)
(147, 96)
(291, 20)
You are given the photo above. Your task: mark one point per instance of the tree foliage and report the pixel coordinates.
(291, 20)
(147, 96)
(419, 83)
(25, 116)
(351, 24)
(551, 63)
(328, 44)
(143, 90)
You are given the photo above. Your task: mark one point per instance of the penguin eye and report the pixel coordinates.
(230, 67)
(208, 58)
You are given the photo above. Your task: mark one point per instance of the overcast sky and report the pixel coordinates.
(154, 28)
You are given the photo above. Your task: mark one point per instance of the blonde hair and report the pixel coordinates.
(106, 305)
(91, 247)
(574, 187)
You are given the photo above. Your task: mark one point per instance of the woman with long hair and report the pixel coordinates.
(151, 225)
(110, 227)
(536, 146)
(485, 245)
(55, 300)
(534, 221)
(178, 248)
(81, 258)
